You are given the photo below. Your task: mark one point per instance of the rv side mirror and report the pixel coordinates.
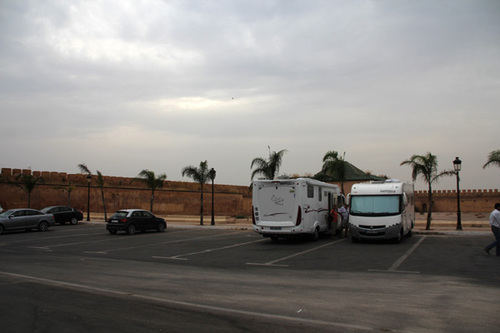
(405, 199)
(348, 199)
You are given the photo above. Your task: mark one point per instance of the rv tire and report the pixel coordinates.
(315, 235)
(399, 238)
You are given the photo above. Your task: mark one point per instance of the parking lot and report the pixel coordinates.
(426, 283)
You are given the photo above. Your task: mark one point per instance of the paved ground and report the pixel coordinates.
(229, 279)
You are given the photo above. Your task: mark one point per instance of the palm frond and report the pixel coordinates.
(493, 159)
(84, 169)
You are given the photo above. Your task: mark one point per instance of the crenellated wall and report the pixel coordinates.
(182, 198)
(470, 200)
(176, 198)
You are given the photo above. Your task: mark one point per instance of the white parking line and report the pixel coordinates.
(394, 267)
(161, 243)
(31, 240)
(179, 257)
(272, 263)
(338, 326)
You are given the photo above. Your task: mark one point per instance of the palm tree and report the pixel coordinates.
(426, 167)
(493, 158)
(152, 182)
(268, 168)
(334, 166)
(200, 175)
(28, 183)
(85, 170)
(100, 183)
(68, 189)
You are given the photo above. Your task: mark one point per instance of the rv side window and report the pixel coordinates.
(310, 191)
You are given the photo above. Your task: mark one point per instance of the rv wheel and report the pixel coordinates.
(315, 235)
(398, 239)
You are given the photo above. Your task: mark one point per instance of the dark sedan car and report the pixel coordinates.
(63, 214)
(25, 219)
(131, 220)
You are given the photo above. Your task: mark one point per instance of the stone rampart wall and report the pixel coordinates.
(183, 198)
(470, 200)
(176, 198)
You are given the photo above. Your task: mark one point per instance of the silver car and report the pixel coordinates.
(25, 219)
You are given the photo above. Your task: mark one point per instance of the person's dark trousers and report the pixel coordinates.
(496, 232)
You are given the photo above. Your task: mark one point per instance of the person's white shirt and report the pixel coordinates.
(495, 218)
(342, 211)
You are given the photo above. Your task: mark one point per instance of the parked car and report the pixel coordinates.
(131, 220)
(64, 214)
(25, 218)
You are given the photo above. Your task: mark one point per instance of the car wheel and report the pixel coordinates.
(131, 229)
(74, 221)
(161, 227)
(43, 226)
(113, 232)
(1, 229)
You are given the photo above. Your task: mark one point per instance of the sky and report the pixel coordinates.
(127, 85)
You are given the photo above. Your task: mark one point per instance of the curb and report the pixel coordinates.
(173, 225)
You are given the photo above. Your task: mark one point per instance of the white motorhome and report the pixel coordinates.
(381, 210)
(289, 207)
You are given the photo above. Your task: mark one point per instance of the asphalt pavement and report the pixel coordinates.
(226, 278)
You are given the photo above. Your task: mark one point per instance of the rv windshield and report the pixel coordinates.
(379, 205)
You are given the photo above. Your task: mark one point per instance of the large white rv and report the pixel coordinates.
(283, 208)
(381, 210)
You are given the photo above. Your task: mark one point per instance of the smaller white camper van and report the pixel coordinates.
(292, 207)
(381, 210)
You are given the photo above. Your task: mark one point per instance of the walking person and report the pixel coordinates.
(344, 212)
(495, 228)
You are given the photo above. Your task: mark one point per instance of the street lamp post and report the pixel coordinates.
(212, 177)
(89, 177)
(457, 165)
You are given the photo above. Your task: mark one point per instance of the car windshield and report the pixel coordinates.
(7, 213)
(46, 209)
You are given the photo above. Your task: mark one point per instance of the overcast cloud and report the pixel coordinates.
(128, 85)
